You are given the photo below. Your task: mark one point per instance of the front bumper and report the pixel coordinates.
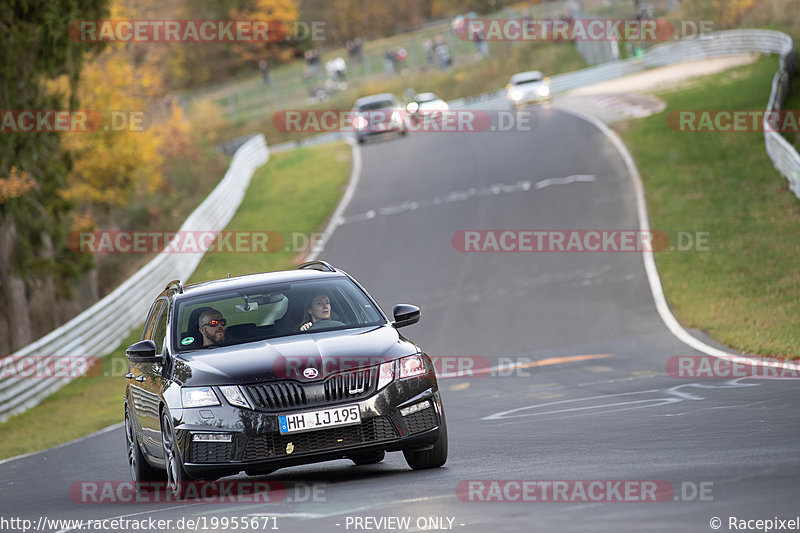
(257, 446)
(530, 98)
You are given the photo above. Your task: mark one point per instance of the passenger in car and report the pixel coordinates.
(317, 308)
(212, 327)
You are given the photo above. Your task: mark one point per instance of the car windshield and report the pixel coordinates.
(372, 106)
(426, 97)
(531, 78)
(231, 317)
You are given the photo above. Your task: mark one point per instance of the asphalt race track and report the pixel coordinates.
(589, 398)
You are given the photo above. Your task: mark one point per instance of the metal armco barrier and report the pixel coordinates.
(98, 330)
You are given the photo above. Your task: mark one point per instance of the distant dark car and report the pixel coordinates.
(376, 115)
(274, 392)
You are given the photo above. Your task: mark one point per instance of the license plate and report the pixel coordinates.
(346, 415)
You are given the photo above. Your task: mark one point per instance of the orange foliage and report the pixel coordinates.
(283, 12)
(15, 185)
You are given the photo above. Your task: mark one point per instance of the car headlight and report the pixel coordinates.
(412, 107)
(234, 396)
(544, 90)
(198, 397)
(385, 374)
(360, 123)
(515, 95)
(411, 366)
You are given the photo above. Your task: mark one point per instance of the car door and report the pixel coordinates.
(148, 382)
(136, 396)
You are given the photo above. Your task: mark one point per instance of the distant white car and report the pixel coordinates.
(528, 87)
(425, 104)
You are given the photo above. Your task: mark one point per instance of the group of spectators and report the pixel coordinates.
(436, 53)
(436, 50)
(335, 74)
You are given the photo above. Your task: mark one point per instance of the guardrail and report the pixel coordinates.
(98, 330)
(783, 155)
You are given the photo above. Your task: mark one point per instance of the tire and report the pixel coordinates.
(370, 458)
(433, 458)
(403, 133)
(361, 140)
(177, 478)
(144, 476)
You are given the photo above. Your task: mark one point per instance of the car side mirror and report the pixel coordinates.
(143, 352)
(405, 315)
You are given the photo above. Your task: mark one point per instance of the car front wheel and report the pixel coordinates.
(177, 478)
(144, 476)
(433, 458)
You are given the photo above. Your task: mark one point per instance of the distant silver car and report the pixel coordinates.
(379, 113)
(528, 87)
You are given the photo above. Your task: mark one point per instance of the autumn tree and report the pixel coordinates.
(34, 261)
(122, 156)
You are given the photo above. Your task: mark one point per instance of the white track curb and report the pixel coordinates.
(650, 265)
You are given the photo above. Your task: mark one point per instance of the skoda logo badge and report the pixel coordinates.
(310, 373)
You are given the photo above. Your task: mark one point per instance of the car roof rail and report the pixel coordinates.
(322, 266)
(177, 283)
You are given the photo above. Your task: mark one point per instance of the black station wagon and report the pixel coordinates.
(264, 371)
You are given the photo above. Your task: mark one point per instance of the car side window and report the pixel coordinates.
(160, 332)
(150, 325)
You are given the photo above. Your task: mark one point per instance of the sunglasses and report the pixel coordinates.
(214, 323)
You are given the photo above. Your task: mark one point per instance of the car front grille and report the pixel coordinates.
(420, 421)
(288, 394)
(278, 395)
(276, 445)
(350, 385)
(210, 452)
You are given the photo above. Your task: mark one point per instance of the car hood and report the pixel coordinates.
(328, 352)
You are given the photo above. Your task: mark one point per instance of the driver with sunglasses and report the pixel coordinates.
(212, 327)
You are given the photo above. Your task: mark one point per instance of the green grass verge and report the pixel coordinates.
(296, 192)
(745, 290)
